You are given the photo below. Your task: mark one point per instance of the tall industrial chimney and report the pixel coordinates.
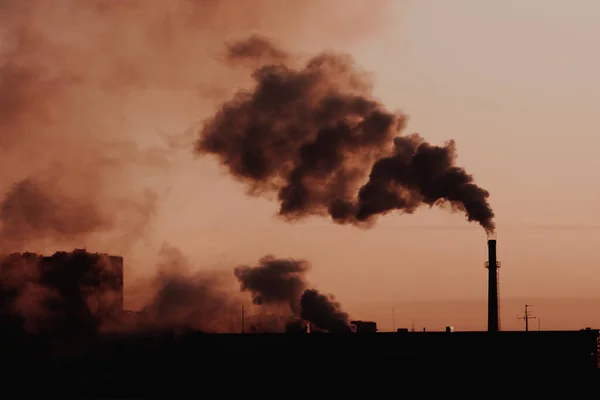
(492, 265)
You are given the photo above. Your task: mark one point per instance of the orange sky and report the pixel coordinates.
(514, 83)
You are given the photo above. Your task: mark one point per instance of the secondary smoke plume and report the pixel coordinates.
(314, 135)
(274, 281)
(182, 297)
(81, 292)
(324, 312)
(282, 282)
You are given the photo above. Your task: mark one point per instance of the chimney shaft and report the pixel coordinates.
(492, 265)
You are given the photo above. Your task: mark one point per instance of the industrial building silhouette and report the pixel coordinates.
(65, 292)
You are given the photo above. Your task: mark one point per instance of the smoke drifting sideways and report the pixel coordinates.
(281, 282)
(314, 135)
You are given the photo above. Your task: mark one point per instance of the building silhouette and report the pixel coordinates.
(66, 292)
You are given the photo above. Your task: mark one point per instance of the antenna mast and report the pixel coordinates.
(527, 316)
(243, 318)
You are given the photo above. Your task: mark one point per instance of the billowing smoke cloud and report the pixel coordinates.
(89, 89)
(315, 135)
(282, 282)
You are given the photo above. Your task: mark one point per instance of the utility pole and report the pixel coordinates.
(413, 325)
(243, 322)
(393, 320)
(527, 316)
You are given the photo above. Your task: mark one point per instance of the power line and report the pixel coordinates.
(415, 228)
(501, 228)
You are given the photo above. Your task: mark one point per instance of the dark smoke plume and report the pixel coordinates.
(314, 135)
(274, 281)
(324, 312)
(282, 282)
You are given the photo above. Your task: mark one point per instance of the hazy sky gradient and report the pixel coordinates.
(516, 84)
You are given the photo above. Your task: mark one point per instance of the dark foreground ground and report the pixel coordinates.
(453, 364)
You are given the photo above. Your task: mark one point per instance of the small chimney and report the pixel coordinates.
(492, 265)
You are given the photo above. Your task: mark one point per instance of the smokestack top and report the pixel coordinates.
(492, 260)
